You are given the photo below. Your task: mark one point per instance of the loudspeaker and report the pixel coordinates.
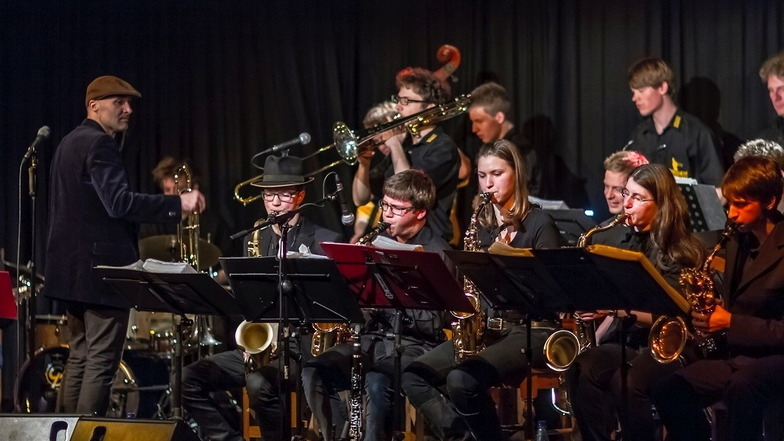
(108, 429)
(26, 427)
(19, 427)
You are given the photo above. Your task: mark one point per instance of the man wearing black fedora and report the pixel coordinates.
(283, 190)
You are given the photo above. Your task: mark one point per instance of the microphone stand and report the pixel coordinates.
(285, 288)
(25, 335)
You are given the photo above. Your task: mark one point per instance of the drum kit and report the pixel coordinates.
(141, 387)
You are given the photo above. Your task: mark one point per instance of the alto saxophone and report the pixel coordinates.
(668, 335)
(563, 346)
(468, 331)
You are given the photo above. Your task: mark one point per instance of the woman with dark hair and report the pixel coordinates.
(454, 397)
(657, 221)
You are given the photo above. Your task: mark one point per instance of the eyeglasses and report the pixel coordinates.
(404, 100)
(284, 197)
(638, 200)
(396, 211)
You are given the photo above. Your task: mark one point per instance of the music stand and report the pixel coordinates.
(398, 279)
(599, 277)
(191, 293)
(706, 212)
(319, 293)
(571, 223)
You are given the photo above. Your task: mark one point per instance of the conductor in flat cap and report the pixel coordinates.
(92, 221)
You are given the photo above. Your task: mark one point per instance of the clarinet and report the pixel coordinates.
(355, 430)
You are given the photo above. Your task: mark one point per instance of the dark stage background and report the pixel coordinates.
(222, 80)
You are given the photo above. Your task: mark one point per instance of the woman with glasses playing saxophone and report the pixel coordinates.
(467, 409)
(750, 379)
(656, 225)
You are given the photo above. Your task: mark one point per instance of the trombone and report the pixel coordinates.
(349, 145)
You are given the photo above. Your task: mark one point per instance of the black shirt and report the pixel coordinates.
(436, 154)
(685, 147)
(417, 323)
(774, 132)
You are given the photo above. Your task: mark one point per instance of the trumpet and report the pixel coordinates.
(349, 145)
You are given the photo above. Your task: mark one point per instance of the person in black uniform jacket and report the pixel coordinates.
(283, 190)
(492, 119)
(408, 196)
(749, 378)
(93, 217)
(431, 150)
(657, 226)
(772, 74)
(667, 135)
(454, 398)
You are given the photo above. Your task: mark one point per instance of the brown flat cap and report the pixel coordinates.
(107, 86)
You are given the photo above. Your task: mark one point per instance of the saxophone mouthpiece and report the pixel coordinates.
(620, 218)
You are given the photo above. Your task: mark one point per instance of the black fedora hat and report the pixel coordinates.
(281, 171)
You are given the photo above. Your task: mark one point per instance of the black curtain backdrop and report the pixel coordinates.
(222, 80)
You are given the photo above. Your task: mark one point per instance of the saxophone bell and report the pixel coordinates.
(256, 339)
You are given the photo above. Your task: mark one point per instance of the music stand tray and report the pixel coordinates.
(177, 293)
(541, 281)
(400, 279)
(319, 294)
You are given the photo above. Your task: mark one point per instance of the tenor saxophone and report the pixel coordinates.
(563, 346)
(468, 331)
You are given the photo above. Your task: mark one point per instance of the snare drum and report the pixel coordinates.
(51, 331)
(139, 388)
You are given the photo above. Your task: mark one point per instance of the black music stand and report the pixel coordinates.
(540, 282)
(319, 293)
(316, 293)
(571, 223)
(706, 212)
(191, 293)
(398, 279)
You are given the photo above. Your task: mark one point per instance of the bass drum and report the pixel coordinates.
(142, 395)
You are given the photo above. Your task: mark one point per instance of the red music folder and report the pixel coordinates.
(7, 301)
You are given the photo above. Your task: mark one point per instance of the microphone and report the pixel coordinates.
(346, 216)
(303, 139)
(43, 133)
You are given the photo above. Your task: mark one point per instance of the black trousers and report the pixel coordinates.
(749, 386)
(595, 388)
(454, 399)
(327, 376)
(96, 346)
(226, 371)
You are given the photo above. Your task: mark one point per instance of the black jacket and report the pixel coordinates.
(93, 216)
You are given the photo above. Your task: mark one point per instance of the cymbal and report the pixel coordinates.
(165, 247)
